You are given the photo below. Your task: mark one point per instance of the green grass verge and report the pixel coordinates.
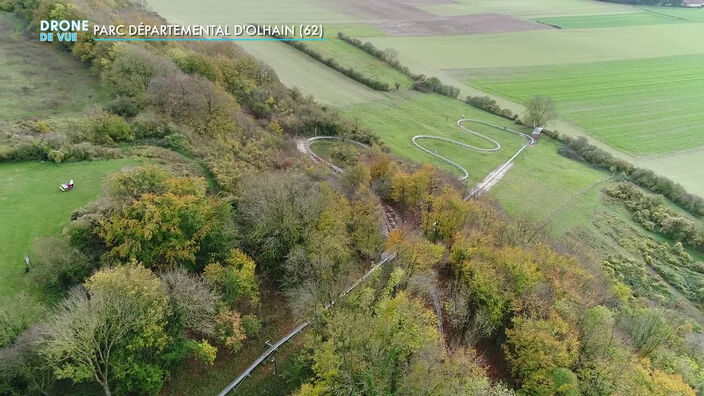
(647, 106)
(348, 55)
(610, 20)
(408, 114)
(31, 205)
(37, 79)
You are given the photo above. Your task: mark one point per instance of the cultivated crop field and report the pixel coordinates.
(611, 20)
(544, 47)
(532, 8)
(647, 106)
(31, 205)
(249, 11)
(689, 14)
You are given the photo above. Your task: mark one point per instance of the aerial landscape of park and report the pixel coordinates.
(430, 197)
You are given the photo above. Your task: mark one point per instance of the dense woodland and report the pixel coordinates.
(179, 256)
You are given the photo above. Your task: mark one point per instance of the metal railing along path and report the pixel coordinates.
(385, 257)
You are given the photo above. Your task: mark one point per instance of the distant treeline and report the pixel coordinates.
(421, 82)
(331, 62)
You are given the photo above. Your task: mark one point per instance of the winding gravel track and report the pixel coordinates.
(491, 179)
(460, 122)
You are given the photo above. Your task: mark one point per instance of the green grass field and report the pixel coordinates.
(31, 205)
(525, 8)
(35, 78)
(686, 165)
(610, 20)
(646, 106)
(689, 14)
(408, 114)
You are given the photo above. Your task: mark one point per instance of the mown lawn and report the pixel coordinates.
(647, 106)
(408, 114)
(31, 205)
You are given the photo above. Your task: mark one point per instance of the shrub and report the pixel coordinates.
(332, 63)
(228, 328)
(111, 127)
(579, 149)
(57, 266)
(16, 314)
(124, 106)
(488, 104)
(42, 127)
(57, 156)
(433, 84)
(7, 5)
(421, 82)
(179, 144)
(151, 125)
(251, 325)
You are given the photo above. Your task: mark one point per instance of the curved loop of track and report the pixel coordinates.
(465, 172)
(495, 175)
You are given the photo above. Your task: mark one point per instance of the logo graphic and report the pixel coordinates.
(61, 30)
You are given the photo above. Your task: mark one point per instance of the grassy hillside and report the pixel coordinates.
(296, 69)
(31, 205)
(35, 79)
(643, 106)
